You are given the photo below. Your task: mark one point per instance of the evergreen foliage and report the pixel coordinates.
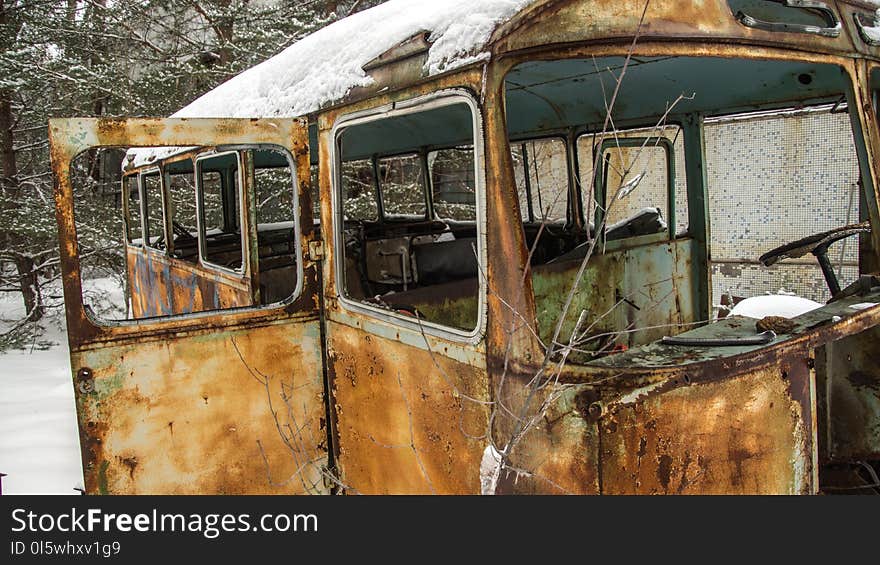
(61, 58)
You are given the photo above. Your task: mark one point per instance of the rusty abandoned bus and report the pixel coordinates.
(499, 258)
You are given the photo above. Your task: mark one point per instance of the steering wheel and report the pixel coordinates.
(818, 245)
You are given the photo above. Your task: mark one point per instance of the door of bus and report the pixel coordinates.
(228, 401)
(405, 295)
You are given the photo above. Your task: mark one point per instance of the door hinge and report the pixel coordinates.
(316, 250)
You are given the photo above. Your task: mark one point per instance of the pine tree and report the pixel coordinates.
(61, 58)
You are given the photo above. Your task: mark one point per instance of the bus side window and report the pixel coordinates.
(180, 181)
(541, 170)
(218, 192)
(155, 218)
(642, 172)
(453, 184)
(359, 189)
(401, 185)
(395, 257)
(133, 227)
(275, 193)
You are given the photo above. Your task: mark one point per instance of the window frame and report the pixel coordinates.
(382, 212)
(200, 211)
(166, 181)
(429, 177)
(250, 176)
(437, 99)
(651, 131)
(601, 189)
(145, 208)
(126, 210)
(569, 204)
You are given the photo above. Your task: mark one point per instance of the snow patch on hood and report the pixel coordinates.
(782, 305)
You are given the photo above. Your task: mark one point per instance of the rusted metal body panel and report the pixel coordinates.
(750, 433)
(569, 21)
(187, 414)
(404, 421)
(850, 375)
(561, 454)
(745, 434)
(163, 286)
(651, 279)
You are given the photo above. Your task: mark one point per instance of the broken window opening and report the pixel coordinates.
(275, 203)
(453, 184)
(359, 187)
(221, 240)
(133, 211)
(541, 170)
(206, 264)
(184, 213)
(396, 257)
(652, 159)
(153, 209)
(640, 283)
(402, 188)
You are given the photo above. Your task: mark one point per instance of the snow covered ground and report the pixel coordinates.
(39, 442)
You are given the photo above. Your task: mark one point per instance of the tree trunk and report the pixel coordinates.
(10, 192)
(7, 149)
(30, 287)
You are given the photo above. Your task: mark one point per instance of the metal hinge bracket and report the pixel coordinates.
(316, 250)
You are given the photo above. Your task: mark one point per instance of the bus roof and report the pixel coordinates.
(324, 66)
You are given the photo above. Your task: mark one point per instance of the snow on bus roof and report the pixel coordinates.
(325, 66)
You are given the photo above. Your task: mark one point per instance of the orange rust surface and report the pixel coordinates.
(852, 395)
(561, 453)
(385, 391)
(162, 286)
(188, 416)
(742, 435)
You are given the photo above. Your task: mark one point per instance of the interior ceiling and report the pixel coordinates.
(445, 126)
(548, 95)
